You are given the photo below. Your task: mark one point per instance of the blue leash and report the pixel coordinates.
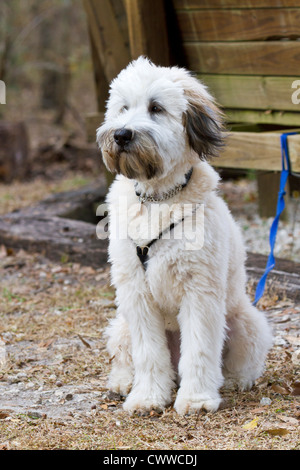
(286, 169)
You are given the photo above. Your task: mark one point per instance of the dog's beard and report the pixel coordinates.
(138, 160)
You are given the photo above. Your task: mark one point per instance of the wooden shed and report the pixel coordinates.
(246, 51)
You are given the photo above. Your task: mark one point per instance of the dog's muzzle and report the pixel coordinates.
(122, 137)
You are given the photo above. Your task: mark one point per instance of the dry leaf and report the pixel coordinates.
(295, 357)
(46, 343)
(295, 340)
(296, 389)
(278, 389)
(277, 431)
(251, 425)
(84, 341)
(289, 420)
(259, 410)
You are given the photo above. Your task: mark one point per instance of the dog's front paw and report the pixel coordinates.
(141, 404)
(192, 403)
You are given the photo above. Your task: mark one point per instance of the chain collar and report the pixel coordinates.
(168, 195)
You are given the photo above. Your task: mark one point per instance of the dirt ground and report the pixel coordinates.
(54, 367)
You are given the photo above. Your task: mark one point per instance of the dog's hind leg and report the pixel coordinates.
(119, 348)
(248, 341)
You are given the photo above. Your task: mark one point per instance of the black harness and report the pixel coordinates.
(142, 251)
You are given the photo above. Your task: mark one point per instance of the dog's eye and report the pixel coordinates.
(124, 108)
(155, 109)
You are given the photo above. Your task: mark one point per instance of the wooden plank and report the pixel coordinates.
(258, 151)
(121, 17)
(148, 33)
(239, 25)
(244, 58)
(277, 118)
(208, 4)
(268, 188)
(100, 80)
(108, 38)
(252, 92)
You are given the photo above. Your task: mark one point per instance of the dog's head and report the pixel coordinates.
(157, 116)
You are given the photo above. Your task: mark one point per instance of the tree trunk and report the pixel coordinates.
(14, 149)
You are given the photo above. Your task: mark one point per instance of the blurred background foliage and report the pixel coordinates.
(45, 61)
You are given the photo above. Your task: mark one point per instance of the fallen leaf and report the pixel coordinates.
(84, 341)
(251, 425)
(276, 431)
(289, 420)
(46, 343)
(259, 410)
(296, 389)
(278, 389)
(295, 340)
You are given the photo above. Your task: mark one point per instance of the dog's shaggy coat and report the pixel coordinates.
(187, 306)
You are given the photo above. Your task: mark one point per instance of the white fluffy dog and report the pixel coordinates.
(183, 317)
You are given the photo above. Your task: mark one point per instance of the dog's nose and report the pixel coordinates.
(123, 136)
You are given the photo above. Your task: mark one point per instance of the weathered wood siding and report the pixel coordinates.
(247, 52)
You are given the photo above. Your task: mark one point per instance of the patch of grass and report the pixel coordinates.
(19, 195)
(9, 296)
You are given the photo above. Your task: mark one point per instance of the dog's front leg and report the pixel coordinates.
(153, 373)
(202, 326)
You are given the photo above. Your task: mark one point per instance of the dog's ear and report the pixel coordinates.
(203, 121)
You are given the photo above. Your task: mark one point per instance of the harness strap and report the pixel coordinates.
(142, 251)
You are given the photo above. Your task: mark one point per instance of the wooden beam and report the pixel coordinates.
(101, 82)
(108, 38)
(219, 4)
(244, 58)
(238, 24)
(252, 92)
(268, 188)
(258, 151)
(276, 118)
(148, 33)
